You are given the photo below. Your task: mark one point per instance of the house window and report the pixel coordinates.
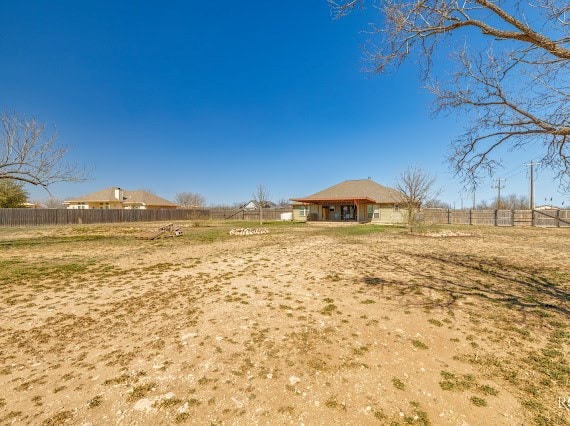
(373, 211)
(302, 211)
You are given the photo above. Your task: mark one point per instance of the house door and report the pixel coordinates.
(325, 213)
(348, 212)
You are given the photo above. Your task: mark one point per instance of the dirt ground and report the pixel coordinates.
(304, 325)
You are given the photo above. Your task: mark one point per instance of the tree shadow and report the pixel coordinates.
(492, 280)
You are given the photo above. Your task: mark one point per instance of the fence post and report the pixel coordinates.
(513, 217)
(532, 217)
(470, 216)
(448, 217)
(558, 218)
(496, 217)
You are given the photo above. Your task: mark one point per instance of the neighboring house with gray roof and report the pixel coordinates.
(361, 200)
(118, 198)
(253, 205)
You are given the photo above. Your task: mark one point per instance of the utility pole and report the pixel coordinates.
(531, 198)
(499, 187)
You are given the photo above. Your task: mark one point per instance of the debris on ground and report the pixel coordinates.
(249, 231)
(445, 234)
(170, 230)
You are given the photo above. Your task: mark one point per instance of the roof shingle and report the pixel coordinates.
(129, 197)
(355, 189)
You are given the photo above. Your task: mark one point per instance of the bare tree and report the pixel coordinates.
(54, 203)
(508, 202)
(261, 198)
(511, 71)
(514, 202)
(416, 187)
(436, 204)
(29, 153)
(190, 199)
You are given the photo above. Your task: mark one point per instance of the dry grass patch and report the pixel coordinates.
(354, 324)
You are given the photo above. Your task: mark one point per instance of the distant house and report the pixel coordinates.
(34, 206)
(361, 200)
(253, 205)
(118, 198)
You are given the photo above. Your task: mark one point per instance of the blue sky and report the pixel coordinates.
(218, 97)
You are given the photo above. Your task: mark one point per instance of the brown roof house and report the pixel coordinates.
(361, 200)
(118, 198)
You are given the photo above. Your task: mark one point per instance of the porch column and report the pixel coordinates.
(356, 210)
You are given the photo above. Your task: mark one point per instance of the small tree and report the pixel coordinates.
(261, 198)
(29, 153)
(190, 199)
(416, 187)
(12, 194)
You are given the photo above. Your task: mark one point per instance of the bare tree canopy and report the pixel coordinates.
(29, 153)
(189, 199)
(436, 204)
(507, 202)
(54, 203)
(416, 187)
(511, 71)
(261, 198)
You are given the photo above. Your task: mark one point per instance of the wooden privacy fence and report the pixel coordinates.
(32, 217)
(546, 218)
(243, 214)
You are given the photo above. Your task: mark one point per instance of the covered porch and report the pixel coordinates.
(332, 210)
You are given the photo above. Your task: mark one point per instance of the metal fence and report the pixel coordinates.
(545, 218)
(33, 217)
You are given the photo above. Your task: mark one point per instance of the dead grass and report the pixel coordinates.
(355, 324)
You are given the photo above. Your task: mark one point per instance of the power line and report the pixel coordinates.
(517, 170)
(513, 171)
(508, 176)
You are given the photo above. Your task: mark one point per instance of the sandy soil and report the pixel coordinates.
(304, 325)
